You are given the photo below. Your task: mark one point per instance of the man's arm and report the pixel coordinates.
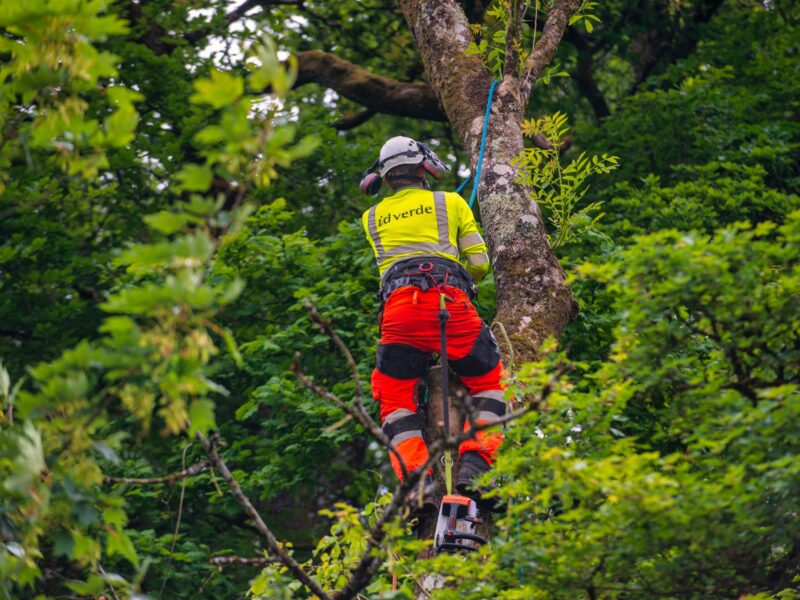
(471, 246)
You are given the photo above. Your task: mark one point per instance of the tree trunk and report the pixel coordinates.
(533, 300)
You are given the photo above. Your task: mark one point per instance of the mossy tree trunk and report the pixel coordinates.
(533, 299)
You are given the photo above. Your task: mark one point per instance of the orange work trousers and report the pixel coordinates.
(410, 326)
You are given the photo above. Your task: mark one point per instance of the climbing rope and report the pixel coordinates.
(480, 152)
(444, 315)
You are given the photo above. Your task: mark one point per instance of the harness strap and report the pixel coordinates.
(427, 273)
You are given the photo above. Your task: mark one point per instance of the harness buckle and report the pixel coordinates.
(426, 267)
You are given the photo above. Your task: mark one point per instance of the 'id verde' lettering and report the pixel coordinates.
(420, 210)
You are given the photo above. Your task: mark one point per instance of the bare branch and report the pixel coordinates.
(545, 49)
(361, 416)
(257, 561)
(273, 545)
(188, 472)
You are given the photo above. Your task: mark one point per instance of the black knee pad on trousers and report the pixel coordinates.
(401, 361)
(413, 422)
(492, 405)
(483, 357)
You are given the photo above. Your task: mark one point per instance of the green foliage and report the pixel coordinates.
(492, 38)
(145, 178)
(53, 69)
(559, 191)
(670, 468)
(584, 15)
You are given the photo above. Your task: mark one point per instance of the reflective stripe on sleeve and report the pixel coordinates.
(469, 240)
(478, 259)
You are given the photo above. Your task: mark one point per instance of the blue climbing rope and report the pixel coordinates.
(463, 184)
(483, 147)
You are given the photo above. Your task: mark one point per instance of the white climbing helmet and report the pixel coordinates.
(402, 150)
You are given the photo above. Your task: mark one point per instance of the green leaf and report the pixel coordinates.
(220, 90)
(201, 415)
(167, 222)
(117, 542)
(194, 178)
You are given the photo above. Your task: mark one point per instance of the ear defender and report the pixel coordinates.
(431, 168)
(370, 184)
(432, 163)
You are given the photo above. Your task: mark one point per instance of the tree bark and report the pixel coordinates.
(376, 93)
(533, 300)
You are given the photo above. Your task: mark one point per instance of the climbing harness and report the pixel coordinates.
(426, 272)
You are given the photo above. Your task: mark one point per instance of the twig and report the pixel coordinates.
(193, 470)
(110, 587)
(359, 413)
(177, 522)
(325, 325)
(363, 419)
(545, 49)
(274, 546)
(256, 561)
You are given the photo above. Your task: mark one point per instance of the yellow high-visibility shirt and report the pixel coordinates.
(417, 222)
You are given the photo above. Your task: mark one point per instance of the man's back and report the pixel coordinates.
(414, 222)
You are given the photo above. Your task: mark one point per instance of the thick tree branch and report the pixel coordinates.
(188, 472)
(275, 548)
(374, 92)
(352, 121)
(236, 14)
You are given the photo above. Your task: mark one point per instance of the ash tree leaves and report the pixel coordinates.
(243, 142)
(53, 72)
(151, 364)
(558, 190)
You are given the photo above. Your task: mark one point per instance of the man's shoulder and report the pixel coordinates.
(456, 203)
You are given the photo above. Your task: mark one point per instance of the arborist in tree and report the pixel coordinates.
(427, 245)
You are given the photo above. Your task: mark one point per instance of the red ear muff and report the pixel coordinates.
(370, 184)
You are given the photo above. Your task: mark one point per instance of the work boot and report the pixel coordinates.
(428, 504)
(471, 467)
